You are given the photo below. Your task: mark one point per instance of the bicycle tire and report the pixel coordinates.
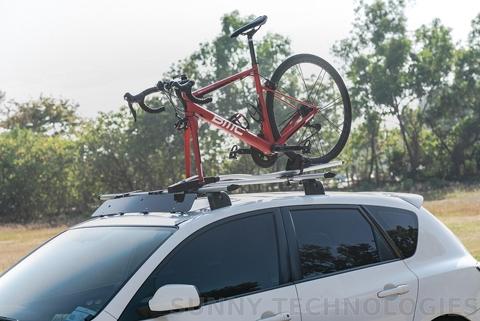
(347, 112)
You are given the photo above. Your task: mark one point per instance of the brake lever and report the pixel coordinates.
(128, 97)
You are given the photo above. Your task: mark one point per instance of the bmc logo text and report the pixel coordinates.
(227, 125)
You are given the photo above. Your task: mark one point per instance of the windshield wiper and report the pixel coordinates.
(7, 319)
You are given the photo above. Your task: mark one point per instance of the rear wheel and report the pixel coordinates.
(310, 79)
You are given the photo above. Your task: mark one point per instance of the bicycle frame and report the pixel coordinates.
(264, 143)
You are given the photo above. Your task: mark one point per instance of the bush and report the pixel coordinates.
(38, 177)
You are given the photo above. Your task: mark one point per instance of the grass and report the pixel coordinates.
(460, 211)
(17, 241)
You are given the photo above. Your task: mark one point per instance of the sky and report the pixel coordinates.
(93, 51)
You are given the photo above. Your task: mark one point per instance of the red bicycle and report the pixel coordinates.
(298, 110)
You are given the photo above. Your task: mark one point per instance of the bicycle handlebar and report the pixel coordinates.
(186, 87)
(183, 85)
(140, 100)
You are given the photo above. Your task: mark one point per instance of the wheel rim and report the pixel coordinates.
(315, 85)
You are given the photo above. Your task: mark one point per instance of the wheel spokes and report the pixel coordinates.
(302, 85)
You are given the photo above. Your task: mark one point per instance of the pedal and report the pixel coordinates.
(237, 119)
(236, 150)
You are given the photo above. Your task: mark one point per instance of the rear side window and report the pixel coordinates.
(231, 259)
(401, 225)
(334, 240)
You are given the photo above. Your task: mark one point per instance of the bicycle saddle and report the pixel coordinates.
(255, 23)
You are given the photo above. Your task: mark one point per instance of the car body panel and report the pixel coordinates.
(414, 199)
(445, 270)
(256, 306)
(136, 219)
(104, 316)
(475, 316)
(353, 295)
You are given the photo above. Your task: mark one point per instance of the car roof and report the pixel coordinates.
(255, 201)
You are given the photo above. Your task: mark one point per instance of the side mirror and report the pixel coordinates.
(174, 297)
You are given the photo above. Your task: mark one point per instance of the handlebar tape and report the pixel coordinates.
(140, 100)
(186, 87)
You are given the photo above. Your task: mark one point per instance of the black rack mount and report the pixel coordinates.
(179, 197)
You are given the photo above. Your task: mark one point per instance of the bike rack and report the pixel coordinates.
(180, 197)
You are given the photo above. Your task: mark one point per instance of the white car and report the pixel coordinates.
(271, 257)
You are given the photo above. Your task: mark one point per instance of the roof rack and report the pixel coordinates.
(179, 197)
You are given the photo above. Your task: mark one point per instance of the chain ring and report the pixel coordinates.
(262, 160)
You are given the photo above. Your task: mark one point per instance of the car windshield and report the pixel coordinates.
(74, 276)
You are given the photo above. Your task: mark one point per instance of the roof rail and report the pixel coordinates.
(180, 196)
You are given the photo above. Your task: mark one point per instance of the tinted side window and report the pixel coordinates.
(234, 258)
(401, 225)
(332, 240)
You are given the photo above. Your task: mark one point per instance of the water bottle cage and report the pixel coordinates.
(240, 120)
(254, 113)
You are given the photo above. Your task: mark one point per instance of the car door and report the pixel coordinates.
(240, 268)
(345, 268)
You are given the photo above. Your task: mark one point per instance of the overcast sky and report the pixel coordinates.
(93, 51)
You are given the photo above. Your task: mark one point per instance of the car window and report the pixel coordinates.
(333, 240)
(73, 276)
(227, 260)
(401, 225)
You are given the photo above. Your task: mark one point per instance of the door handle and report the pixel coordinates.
(277, 317)
(398, 290)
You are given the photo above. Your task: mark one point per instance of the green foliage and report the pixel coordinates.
(452, 110)
(433, 61)
(120, 155)
(46, 115)
(425, 82)
(38, 175)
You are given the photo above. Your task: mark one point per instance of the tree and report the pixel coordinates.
(392, 73)
(452, 110)
(45, 115)
(38, 177)
(374, 56)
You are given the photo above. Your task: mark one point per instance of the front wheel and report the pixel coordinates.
(310, 79)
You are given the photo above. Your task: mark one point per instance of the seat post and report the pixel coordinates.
(252, 49)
